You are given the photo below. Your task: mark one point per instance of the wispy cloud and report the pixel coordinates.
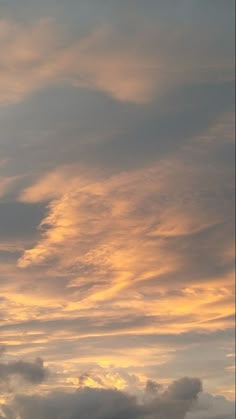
(116, 209)
(129, 66)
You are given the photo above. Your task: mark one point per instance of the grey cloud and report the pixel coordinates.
(88, 403)
(187, 347)
(67, 125)
(36, 139)
(175, 403)
(161, 128)
(207, 13)
(203, 251)
(152, 388)
(104, 134)
(212, 407)
(19, 220)
(32, 372)
(184, 389)
(108, 404)
(214, 366)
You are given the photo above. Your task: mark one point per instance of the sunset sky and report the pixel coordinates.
(116, 209)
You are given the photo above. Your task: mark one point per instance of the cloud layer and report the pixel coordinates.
(130, 65)
(180, 400)
(117, 247)
(33, 372)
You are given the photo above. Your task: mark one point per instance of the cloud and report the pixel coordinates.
(32, 372)
(184, 389)
(125, 246)
(24, 49)
(117, 263)
(212, 407)
(152, 388)
(129, 65)
(18, 220)
(115, 246)
(119, 245)
(5, 184)
(107, 404)
(94, 215)
(113, 404)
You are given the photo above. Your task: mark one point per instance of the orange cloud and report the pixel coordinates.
(118, 240)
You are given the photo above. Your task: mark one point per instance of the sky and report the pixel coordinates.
(117, 209)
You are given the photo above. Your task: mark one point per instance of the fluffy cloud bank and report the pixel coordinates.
(178, 401)
(110, 404)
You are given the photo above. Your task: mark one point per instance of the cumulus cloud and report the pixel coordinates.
(152, 388)
(109, 404)
(32, 372)
(176, 402)
(184, 389)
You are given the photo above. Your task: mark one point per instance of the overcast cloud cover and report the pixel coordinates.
(117, 209)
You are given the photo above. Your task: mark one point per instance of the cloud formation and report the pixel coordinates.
(90, 219)
(129, 65)
(181, 400)
(32, 372)
(107, 404)
(117, 250)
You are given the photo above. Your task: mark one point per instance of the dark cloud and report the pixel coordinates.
(160, 129)
(184, 389)
(109, 404)
(32, 372)
(19, 219)
(152, 388)
(183, 399)
(123, 136)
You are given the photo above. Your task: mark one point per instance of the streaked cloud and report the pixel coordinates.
(117, 247)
